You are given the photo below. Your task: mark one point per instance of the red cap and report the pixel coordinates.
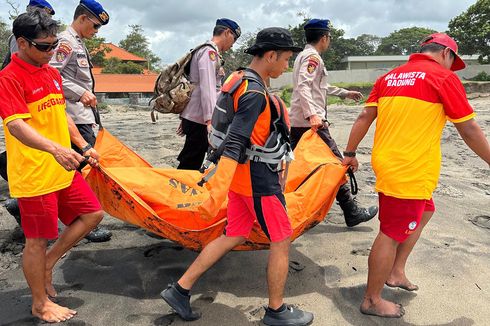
(445, 40)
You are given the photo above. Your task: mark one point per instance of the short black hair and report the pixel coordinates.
(35, 24)
(218, 30)
(81, 10)
(313, 36)
(433, 47)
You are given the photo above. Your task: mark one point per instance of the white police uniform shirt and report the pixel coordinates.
(310, 88)
(72, 61)
(205, 75)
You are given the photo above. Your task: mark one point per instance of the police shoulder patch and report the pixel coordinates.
(212, 55)
(63, 50)
(313, 62)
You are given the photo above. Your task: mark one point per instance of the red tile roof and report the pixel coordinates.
(120, 53)
(98, 71)
(116, 83)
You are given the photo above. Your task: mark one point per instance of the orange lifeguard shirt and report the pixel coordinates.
(413, 103)
(252, 121)
(35, 95)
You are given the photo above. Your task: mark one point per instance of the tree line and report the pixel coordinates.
(471, 29)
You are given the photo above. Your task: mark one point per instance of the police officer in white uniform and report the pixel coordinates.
(206, 74)
(72, 59)
(308, 107)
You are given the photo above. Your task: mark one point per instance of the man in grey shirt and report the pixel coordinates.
(72, 59)
(206, 73)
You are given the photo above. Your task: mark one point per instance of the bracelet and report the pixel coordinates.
(86, 148)
(350, 154)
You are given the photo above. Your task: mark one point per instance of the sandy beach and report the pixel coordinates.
(118, 282)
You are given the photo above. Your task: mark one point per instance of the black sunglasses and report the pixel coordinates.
(96, 25)
(43, 47)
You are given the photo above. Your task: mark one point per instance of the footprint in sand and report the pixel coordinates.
(371, 181)
(449, 191)
(295, 266)
(364, 150)
(155, 250)
(483, 187)
(482, 221)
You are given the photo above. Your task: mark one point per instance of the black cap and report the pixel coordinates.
(273, 38)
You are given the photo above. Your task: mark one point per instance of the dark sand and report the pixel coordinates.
(118, 282)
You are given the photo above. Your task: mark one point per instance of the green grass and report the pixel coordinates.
(354, 85)
(332, 100)
(482, 76)
(286, 93)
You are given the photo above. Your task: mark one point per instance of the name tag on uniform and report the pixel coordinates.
(82, 60)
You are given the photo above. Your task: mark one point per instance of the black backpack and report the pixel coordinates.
(8, 56)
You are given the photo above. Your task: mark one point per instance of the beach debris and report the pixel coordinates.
(296, 266)
(360, 252)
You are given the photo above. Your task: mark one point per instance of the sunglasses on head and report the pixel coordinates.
(43, 47)
(96, 25)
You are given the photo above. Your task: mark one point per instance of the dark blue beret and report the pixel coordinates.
(232, 25)
(96, 9)
(41, 4)
(323, 24)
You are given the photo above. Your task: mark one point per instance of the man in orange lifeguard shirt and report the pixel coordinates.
(41, 165)
(411, 104)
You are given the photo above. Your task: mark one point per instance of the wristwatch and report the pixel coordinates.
(86, 148)
(350, 154)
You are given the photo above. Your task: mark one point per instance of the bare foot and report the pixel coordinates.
(382, 308)
(402, 283)
(48, 283)
(50, 312)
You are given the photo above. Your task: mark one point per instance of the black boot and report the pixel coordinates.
(13, 208)
(99, 234)
(353, 213)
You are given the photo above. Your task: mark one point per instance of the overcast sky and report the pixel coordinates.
(175, 26)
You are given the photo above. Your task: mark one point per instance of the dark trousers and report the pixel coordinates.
(3, 165)
(195, 147)
(88, 134)
(344, 193)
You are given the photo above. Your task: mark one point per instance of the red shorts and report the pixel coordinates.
(40, 213)
(268, 211)
(401, 217)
